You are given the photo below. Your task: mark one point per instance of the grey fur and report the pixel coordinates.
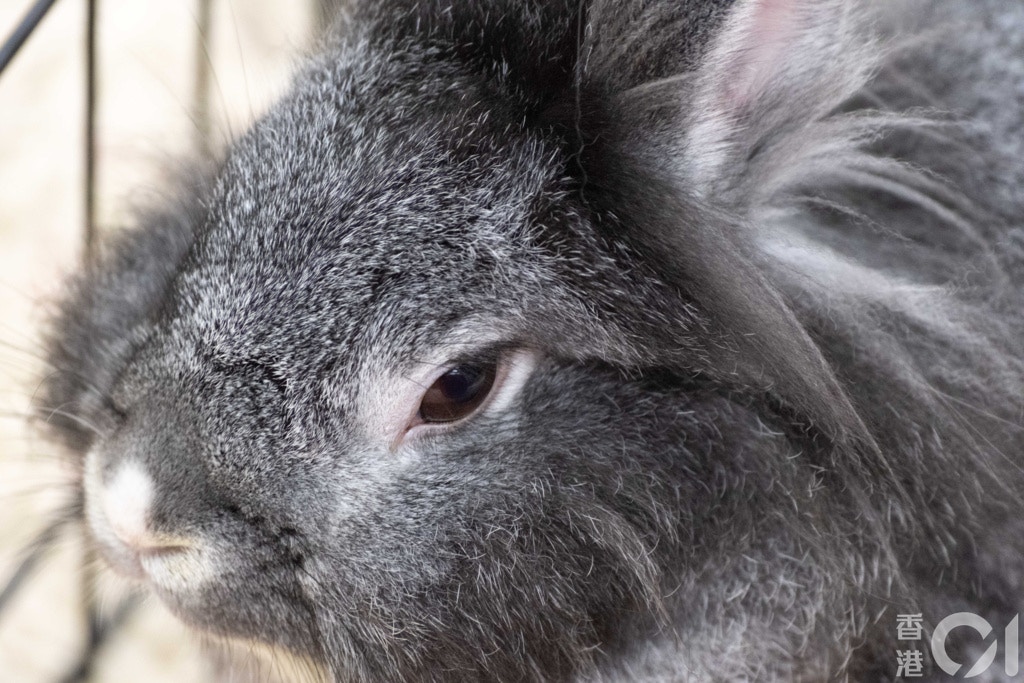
(779, 325)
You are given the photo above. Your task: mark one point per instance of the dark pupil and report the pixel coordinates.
(457, 393)
(461, 384)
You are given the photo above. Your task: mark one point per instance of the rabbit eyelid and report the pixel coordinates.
(511, 370)
(397, 415)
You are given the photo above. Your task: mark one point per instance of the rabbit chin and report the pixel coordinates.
(247, 659)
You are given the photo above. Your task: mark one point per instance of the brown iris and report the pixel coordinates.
(458, 392)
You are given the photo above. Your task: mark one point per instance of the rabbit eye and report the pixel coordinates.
(457, 393)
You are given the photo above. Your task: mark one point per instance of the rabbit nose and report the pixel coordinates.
(126, 502)
(122, 508)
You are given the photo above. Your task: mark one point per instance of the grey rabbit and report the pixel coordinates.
(580, 340)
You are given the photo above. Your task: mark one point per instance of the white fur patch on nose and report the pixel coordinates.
(126, 501)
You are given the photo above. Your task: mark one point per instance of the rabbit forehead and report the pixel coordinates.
(402, 288)
(334, 237)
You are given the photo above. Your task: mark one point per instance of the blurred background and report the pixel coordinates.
(155, 69)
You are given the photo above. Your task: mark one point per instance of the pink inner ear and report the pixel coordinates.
(753, 49)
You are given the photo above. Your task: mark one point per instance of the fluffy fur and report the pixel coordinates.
(768, 253)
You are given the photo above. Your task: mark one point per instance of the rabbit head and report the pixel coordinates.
(460, 363)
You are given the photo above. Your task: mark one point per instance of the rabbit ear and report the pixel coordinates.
(761, 71)
(751, 340)
(774, 65)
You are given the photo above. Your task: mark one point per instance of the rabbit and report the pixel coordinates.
(579, 340)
